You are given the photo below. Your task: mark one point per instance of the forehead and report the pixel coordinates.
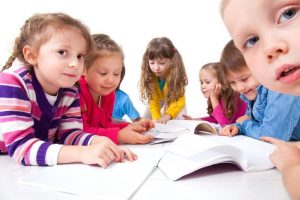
(245, 15)
(111, 61)
(238, 74)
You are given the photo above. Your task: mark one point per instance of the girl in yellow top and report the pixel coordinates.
(163, 81)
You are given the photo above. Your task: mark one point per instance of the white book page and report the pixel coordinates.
(165, 133)
(193, 125)
(257, 153)
(117, 181)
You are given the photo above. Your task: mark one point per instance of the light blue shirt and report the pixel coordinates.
(272, 114)
(123, 106)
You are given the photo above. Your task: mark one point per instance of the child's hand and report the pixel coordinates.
(229, 130)
(132, 134)
(215, 91)
(145, 124)
(286, 155)
(164, 119)
(242, 118)
(102, 151)
(125, 152)
(187, 117)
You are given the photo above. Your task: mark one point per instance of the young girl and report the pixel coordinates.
(163, 81)
(224, 105)
(40, 105)
(272, 54)
(269, 113)
(123, 104)
(97, 95)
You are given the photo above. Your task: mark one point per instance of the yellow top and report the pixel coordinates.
(157, 96)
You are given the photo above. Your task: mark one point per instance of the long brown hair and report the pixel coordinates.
(227, 95)
(177, 78)
(33, 33)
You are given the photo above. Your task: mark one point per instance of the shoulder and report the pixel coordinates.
(17, 75)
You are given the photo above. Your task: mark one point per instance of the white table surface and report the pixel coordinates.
(224, 181)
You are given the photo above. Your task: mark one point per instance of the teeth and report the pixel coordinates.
(288, 69)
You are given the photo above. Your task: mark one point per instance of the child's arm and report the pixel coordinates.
(176, 107)
(287, 160)
(279, 116)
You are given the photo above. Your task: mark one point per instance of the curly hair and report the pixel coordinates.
(34, 33)
(227, 95)
(176, 80)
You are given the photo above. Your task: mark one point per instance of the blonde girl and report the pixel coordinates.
(40, 113)
(163, 81)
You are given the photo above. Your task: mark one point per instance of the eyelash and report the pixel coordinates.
(251, 39)
(285, 12)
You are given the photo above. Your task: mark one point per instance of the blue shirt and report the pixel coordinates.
(123, 106)
(272, 114)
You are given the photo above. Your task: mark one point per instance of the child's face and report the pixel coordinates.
(243, 82)
(59, 62)
(104, 75)
(207, 80)
(160, 67)
(267, 33)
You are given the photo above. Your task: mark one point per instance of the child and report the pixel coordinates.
(101, 78)
(40, 114)
(269, 113)
(163, 81)
(271, 54)
(123, 104)
(224, 105)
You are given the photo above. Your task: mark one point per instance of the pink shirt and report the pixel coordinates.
(97, 119)
(218, 115)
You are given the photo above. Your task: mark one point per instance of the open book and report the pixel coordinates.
(174, 128)
(117, 181)
(191, 152)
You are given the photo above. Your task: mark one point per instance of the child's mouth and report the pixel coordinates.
(288, 74)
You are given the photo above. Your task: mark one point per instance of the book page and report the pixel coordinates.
(256, 152)
(191, 152)
(117, 181)
(165, 133)
(196, 126)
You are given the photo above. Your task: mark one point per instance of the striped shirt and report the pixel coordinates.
(32, 130)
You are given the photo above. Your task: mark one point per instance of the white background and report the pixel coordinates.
(194, 26)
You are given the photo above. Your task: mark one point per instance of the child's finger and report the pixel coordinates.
(271, 140)
(130, 155)
(101, 162)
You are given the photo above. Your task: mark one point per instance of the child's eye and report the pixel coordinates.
(80, 57)
(251, 42)
(62, 52)
(244, 79)
(287, 15)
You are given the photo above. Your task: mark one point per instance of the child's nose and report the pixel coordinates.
(73, 63)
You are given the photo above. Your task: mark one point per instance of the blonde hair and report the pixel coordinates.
(103, 45)
(33, 33)
(177, 78)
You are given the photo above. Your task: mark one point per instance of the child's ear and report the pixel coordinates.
(29, 55)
